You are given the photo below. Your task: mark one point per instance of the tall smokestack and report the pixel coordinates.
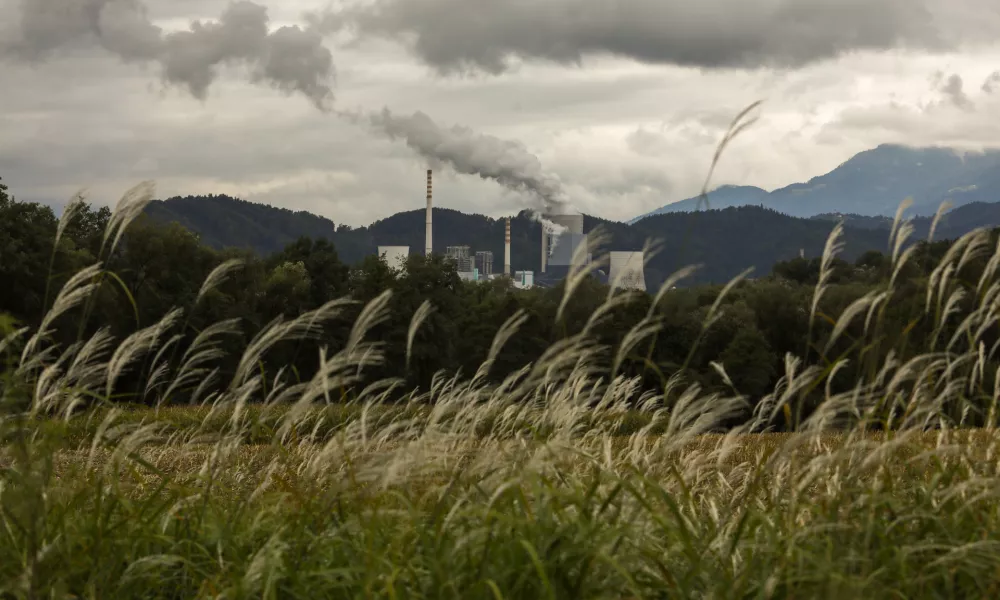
(506, 250)
(429, 245)
(545, 247)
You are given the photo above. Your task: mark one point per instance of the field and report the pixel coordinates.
(176, 504)
(557, 482)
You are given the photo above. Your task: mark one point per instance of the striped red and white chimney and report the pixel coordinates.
(429, 244)
(506, 250)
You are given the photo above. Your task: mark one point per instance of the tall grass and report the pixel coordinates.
(558, 482)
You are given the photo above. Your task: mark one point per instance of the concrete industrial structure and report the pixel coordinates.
(567, 250)
(627, 271)
(524, 280)
(564, 249)
(571, 224)
(463, 260)
(564, 246)
(395, 256)
(484, 263)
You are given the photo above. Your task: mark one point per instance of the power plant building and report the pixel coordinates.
(554, 227)
(484, 263)
(463, 260)
(564, 248)
(567, 249)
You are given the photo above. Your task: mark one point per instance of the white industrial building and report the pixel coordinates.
(569, 237)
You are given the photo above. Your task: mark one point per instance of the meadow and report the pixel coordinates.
(560, 481)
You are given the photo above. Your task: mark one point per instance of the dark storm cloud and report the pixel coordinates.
(465, 35)
(954, 92)
(291, 59)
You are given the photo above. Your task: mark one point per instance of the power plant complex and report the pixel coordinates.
(564, 247)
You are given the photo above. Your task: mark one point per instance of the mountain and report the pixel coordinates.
(873, 183)
(222, 221)
(954, 223)
(726, 196)
(725, 241)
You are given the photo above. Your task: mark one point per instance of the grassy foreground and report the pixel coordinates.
(375, 513)
(559, 482)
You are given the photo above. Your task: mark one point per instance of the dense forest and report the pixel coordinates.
(748, 328)
(725, 242)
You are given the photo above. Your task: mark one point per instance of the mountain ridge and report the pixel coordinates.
(873, 183)
(726, 241)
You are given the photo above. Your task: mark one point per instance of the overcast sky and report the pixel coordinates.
(619, 104)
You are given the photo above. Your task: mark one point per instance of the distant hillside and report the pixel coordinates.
(953, 224)
(725, 241)
(729, 240)
(222, 221)
(726, 196)
(874, 183)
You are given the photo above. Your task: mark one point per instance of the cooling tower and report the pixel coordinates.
(429, 244)
(627, 271)
(506, 249)
(395, 256)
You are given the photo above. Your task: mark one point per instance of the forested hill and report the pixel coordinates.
(952, 224)
(724, 241)
(221, 221)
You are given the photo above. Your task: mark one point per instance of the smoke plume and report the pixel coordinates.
(291, 59)
(507, 162)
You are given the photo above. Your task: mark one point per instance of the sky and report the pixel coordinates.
(612, 108)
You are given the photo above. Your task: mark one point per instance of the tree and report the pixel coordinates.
(286, 291)
(749, 362)
(27, 236)
(4, 197)
(329, 278)
(436, 280)
(163, 267)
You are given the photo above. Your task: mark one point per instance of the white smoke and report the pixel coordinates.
(291, 59)
(506, 162)
(555, 230)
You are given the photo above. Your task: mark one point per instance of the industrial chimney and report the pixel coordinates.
(506, 249)
(429, 245)
(545, 246)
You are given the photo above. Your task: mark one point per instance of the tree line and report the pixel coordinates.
(748, 327)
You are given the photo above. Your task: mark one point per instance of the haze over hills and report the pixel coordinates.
(873, 183)
(725, 241)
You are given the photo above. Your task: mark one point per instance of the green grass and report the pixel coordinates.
(557, 483)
